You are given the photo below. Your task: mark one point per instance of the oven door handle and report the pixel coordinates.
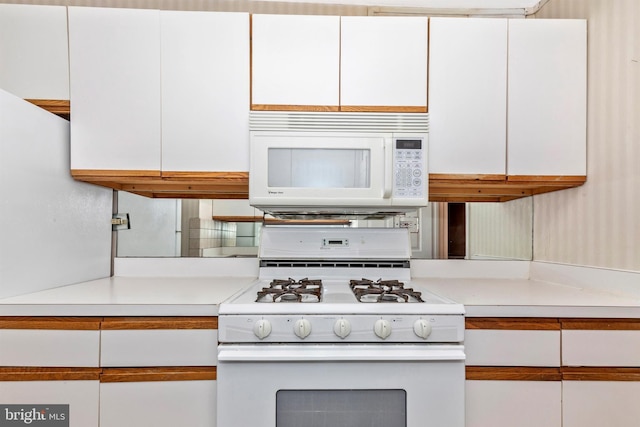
(331, 353)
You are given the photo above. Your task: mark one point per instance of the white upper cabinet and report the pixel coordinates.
(547, 97)
(115, 88)
(467, 96)
(383, 62)
(295, 60)
(205, 91)
(34, 54)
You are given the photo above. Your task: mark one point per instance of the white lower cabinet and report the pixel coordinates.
(158, 404)
(601, 403)
(513, 403)
(81, 396)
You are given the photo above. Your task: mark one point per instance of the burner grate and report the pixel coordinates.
(290, 290)
(366, 290)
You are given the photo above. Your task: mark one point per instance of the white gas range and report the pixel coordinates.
(335, 324)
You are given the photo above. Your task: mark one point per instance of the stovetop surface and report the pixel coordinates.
(337, 297)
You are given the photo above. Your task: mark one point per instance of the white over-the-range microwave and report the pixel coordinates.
(338, 164)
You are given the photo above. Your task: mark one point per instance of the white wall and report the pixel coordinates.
(598, 224)
(55, 231)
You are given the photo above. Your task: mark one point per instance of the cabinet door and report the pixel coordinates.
(115, 88)
(34, 51)
(600, 403)
(383, 63)
(205, 91)
(81, 396)
(158, 404)
(467, 96)
(295, 62)
(513, 403)
(547, 97)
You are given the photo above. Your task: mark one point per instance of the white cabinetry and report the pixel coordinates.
(158, 404)
(164, 347)
(205, 91)
(600, 403)
(547, 97)
(24, 347)
(34, 51)
(81, 396)
(513, 403)
(512, 348)
(115, 88)
(383, 62)
(467, 96)
(295, 61)
(333, 63)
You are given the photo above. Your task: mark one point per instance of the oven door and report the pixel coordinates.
(340, 385)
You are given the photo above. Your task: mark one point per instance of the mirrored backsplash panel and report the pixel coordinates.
(231, 228)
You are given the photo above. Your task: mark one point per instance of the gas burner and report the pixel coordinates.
(290, 290)
(367, 290)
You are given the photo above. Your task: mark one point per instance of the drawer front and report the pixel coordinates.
(600, 348)
(36, 347)
(486, 347)
(159, 347)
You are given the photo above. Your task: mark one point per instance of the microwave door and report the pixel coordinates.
(320, 170)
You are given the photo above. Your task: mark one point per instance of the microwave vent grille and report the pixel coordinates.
(338, 122)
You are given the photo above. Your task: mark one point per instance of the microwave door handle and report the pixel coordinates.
(388, 168)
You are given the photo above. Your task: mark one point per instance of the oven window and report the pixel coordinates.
(331, 408)
(319, 168)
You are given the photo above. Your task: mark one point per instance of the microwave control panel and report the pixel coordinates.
(409, 172)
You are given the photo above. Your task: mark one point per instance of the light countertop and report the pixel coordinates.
(513, 289)
(129, 296)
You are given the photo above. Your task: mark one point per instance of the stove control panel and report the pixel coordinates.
(363, 328)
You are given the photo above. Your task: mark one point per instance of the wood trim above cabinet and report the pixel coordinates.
(515, 373)
(513, 323)
(142, 323)
(120, 375)
(20, 373)
(51, 323)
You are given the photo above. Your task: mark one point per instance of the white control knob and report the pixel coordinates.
(342, 328)
(262, 328)
(422, 328)
(302, 328)
(382, 328)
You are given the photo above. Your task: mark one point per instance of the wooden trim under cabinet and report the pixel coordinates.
(142, 323)
(59, 107)
(513, 323)
(384, 109)
(51, 323)
(120, 375)
(279, 107)
(20, 373)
